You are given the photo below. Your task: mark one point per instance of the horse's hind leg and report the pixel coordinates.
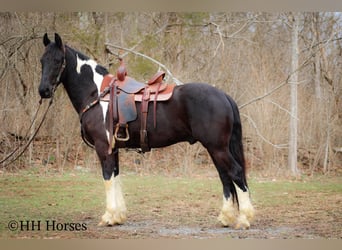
(228, 212)
(237, 210)
(246, 209)
(115, 204)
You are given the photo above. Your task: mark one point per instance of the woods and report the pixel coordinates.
(283, 69)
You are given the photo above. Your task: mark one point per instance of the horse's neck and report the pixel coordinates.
(80, 85)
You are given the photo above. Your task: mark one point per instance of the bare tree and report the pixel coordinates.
(293, 81)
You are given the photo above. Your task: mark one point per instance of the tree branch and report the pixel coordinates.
(265, 95)
(178, 82)
(282, 84)
(278, 146)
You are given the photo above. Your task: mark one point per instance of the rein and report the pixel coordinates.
(62, 67)
(85, 109)
(7, 158)
(89, 106)
(24, 147)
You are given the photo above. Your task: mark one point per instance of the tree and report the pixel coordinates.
(293, 81)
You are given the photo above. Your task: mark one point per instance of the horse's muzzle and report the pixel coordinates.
(45, 91)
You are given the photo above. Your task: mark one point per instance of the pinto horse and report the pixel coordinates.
(195, 112)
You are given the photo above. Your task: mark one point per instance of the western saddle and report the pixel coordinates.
(122, 92)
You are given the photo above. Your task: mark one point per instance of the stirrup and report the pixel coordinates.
(117, 127)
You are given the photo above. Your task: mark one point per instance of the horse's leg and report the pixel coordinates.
(115, 204)
(228, 212)
(234, 186)
(246, 209)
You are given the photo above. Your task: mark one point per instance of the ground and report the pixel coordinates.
(163, 206)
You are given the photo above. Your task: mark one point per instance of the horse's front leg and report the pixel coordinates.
(115, 204)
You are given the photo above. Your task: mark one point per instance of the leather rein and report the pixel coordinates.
(29, 141)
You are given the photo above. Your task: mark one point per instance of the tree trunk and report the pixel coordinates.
(315, 22)
(293, 81)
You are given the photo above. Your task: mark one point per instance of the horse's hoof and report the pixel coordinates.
(226, 221)
(242, 223)
(111, 219)
(103, 224)
(109, 223)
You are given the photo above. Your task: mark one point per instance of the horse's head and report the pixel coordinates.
(53, 64)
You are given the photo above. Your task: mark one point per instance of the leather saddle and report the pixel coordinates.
(122, 92)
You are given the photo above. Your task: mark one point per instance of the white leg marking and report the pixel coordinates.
(246, 210)
(228, 213)
(116, 207)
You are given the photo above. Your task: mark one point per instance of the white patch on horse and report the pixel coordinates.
(116, 207)
(228, 213)
(97, 78)
(246, 210)
(104, 106)
(237, 217)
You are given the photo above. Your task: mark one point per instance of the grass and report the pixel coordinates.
(287, 192)
(173, 201)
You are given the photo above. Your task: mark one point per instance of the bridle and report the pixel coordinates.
(61, 70)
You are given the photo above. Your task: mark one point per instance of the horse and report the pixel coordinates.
(196, 112)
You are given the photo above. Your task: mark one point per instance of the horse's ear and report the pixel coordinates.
(46, 40)
(58, 41)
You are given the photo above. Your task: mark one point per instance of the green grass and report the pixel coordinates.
(79, 197)
(287, 192)
(32, 197)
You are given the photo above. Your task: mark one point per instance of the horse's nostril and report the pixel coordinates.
(45, 92)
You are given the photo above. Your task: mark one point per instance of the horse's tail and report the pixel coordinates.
(235, 143)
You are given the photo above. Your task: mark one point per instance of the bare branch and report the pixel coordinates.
(284, 109)
(178, 82)
(279, 146)
(221, 38)
(264, 95)
(282, 84)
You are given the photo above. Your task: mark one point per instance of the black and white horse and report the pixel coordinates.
(195, 112)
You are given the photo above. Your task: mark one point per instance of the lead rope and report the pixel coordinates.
(7, 158)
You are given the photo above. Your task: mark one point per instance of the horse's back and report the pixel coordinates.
(209, 111)
(199, 98)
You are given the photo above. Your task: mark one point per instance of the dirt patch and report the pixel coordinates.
(153, 229)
